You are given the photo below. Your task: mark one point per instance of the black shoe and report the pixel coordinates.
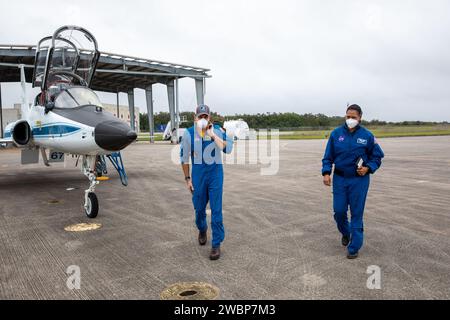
(202, 238)
(215, 254)
(345, 240)
(352, 256)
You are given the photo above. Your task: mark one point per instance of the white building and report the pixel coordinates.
(124, 114)
(11, 115)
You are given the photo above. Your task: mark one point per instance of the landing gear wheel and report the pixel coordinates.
(91, 208)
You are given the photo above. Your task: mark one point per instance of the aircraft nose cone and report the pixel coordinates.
(113, 135)
(131, 135)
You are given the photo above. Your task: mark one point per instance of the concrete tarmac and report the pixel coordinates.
(281, 239)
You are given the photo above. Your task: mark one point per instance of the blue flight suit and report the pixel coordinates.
(207, 178)
(344, 148)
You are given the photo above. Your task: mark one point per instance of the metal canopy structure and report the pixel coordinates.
(117, 73)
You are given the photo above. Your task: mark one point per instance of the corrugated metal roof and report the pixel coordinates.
(115, 72)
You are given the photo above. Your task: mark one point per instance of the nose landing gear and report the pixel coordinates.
(90, 198)
(94, 168)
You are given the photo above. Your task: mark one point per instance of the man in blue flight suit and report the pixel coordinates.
(204, 143)
(355, 154)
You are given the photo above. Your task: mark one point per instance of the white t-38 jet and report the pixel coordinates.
(67, 117)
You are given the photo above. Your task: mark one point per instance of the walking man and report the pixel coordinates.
(355, 154)
(204, 143)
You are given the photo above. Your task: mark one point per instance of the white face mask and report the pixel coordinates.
(351, 123)
(202, 123)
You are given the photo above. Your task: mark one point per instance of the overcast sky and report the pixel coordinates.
(390, 57)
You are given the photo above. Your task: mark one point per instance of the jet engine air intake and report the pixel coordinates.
(21, 133)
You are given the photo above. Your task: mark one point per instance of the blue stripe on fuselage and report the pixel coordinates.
(7, 134)
(50, 130)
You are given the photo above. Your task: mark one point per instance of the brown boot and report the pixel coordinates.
(202, 238)
(352, 255)
(345, 240)
(215, 254)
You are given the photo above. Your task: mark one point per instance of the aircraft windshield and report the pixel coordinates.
(75, 97)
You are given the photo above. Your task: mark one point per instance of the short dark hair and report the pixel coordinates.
(356, 108)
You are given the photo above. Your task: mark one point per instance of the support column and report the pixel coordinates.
(1, 112)
(171, 98)
(118, 109)
(200, 90)
(151, 122)
(177, 107)
(131, 108)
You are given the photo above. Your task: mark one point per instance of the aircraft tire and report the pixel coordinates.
(92, 209)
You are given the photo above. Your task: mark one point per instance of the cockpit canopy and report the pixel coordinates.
(76, 97)
(71, 53)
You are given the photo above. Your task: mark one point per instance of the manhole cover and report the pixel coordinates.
(190, 291)
(79, 227)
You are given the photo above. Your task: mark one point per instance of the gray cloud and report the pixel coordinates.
(391, 57)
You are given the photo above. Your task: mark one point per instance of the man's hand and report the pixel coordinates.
(362, 171)
(189, 185)
(327, 180)
(210, 131)
(217, 139)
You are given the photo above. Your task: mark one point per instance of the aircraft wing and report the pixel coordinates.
(6, 143)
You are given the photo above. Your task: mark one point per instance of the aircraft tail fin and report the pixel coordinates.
(25, 105)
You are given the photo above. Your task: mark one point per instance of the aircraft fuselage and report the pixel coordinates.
(84, 130)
